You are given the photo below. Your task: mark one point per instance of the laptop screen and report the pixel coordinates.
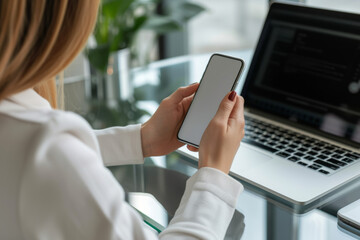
(306, 69)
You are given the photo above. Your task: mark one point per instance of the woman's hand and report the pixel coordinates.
(159, 133)
(222, 137)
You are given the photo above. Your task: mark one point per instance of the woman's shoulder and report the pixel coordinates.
(40, 126)
(56, 138)
(51, 120)
(43, 116)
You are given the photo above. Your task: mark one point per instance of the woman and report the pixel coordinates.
(53, 181)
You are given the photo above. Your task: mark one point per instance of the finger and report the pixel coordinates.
(226, 106)
(183, 92)
(187, 102)
(237, 114)
(192, 148)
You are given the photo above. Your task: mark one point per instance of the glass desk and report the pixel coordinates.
(155, 188)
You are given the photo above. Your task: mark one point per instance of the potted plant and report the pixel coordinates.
(120, 21)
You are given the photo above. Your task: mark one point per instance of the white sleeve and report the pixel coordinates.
(67, 193)
(206, 207)
(120, 145)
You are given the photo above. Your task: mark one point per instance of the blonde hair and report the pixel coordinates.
(38, 39)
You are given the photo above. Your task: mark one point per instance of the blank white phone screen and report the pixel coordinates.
(218, 79)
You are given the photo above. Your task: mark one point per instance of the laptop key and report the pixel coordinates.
(312, 153)
(324, 172)
(260, 145)
(347, 160)
(310, 158)
(267, 136)
(316, 149)
(289, 150)
(301, 137)
(326, 152)
(302, 149)
(310, 140)
(287, 138)
(352, 156)
(302, 163)
(329, 148)
(326, 164)
(283, 154)
(323, 157)
(293, 159)
(299, 154)
(315, 167)
(276, 139)
(339, 151)
(306, 145)
(336, 162)
(337, 156)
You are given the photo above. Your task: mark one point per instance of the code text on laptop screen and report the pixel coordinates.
(308, 71)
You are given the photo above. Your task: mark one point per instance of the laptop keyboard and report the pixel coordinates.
(308, 152)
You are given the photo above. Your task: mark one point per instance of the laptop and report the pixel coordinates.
(302, 107)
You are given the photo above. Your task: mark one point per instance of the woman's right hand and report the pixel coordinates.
(222, 137)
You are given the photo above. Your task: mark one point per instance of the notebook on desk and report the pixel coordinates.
(302, 103)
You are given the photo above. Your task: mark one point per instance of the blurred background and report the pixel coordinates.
(133, 34)
(223, 26)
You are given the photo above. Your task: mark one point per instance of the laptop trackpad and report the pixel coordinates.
(248, 158)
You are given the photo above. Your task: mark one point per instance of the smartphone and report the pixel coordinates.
(349, 218)
(220, 77)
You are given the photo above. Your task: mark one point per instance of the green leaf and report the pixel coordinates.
(110, 8)
(102, 31)
(117, 41)
(187, 10)
(124, 37)
(161, 24)
(99, 57)
(139, 22)
(113, 8)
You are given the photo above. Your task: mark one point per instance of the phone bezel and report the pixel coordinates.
(236, 80)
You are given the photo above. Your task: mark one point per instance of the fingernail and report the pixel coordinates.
(192, 83)
(232, 96)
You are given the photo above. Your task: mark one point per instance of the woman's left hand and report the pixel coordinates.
(159, 133)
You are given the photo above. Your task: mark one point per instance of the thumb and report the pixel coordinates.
(183, 92)
(226, 106)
